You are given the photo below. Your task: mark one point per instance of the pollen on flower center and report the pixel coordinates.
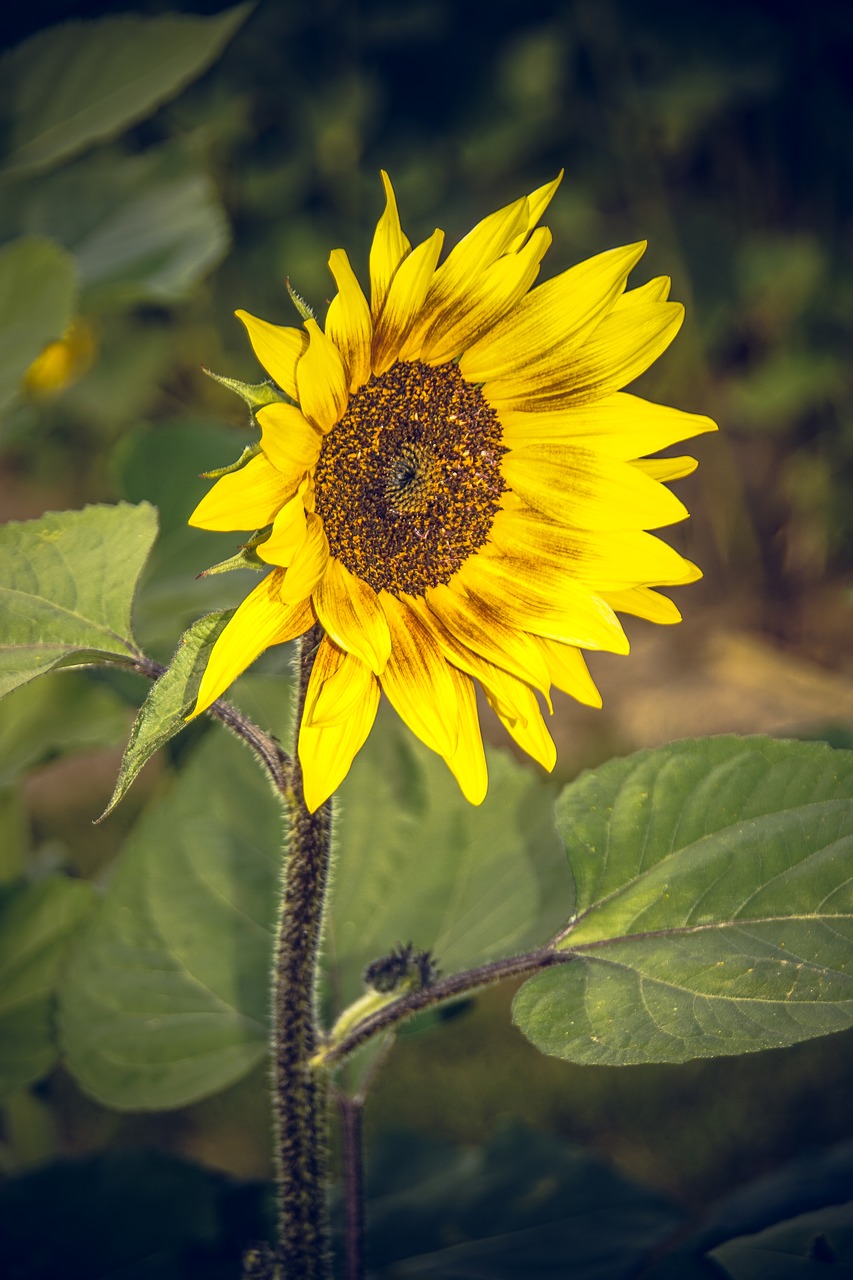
(409, 481)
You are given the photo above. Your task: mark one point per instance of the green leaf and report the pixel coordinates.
(810, 1247)
(83, 82)
(521, 1206)
(165, 998)
(38, 293)
(715, 905)
(417, 863)
(56, 715)
(66, 588)
(164, 711)
(36, 922)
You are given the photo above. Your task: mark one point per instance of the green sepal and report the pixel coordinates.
(250, 451)
(255, 394)
(245, 558)
(306, 312)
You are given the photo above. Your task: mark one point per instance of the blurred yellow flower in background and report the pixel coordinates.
(61, 363)
(457, 489)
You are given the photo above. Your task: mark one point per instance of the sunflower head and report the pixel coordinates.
(451, 481)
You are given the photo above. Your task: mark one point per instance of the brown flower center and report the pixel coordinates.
(409, 481)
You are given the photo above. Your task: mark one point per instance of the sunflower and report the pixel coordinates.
(451, 481)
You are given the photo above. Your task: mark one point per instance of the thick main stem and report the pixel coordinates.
(300, 1091)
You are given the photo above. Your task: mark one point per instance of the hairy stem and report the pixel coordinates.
(350, 1110)
(458, 984)
(300, 1091)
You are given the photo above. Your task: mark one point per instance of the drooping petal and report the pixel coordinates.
(576, 487)
(288, 534)
(542, 331)
(279, 349)
(348, 322)
(290, 442)
(569, 672)
(417, 680)
(528, 729)
(390, 247)
(352, 616)
(246, 499)
(327, 748)
(486, 633)
(468, 762)
(309, 561)
(617, 351)
(403, 302)
(621, 426)
(260, 621)
(321, 380)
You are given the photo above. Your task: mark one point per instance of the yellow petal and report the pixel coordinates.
(309, 562)
(288, 440)
(494, 293)
(576, 487)
(569, 672)
(620, 425)
(543, 600)
(403, 301)
(352, 616)
(529, 730)
(278, 349)
(335, 688)
(539, 335)
(666, 469)
(485, 632)
(321, 380)
(474, 254)
(260, 621)
(327, 750)
(348, 322)
(246, 499)
(468, 762)
(417, 680)
(642, 602)
(537, 203)
(604, 559)
(390, 247)
(618, 350)
(288, 534)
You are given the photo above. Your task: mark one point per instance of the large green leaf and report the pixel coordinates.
(66, 588)
(172, 697)
(417, 863)
(715, 905)
(38, 292)
(165, 999)
(36, 922)
(83, 82)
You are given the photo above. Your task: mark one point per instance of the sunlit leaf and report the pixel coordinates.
(172, 697)
(82, 82)
(66, 588)
(38, 291)
(36, 923)
(166, 996)
(715, 905)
